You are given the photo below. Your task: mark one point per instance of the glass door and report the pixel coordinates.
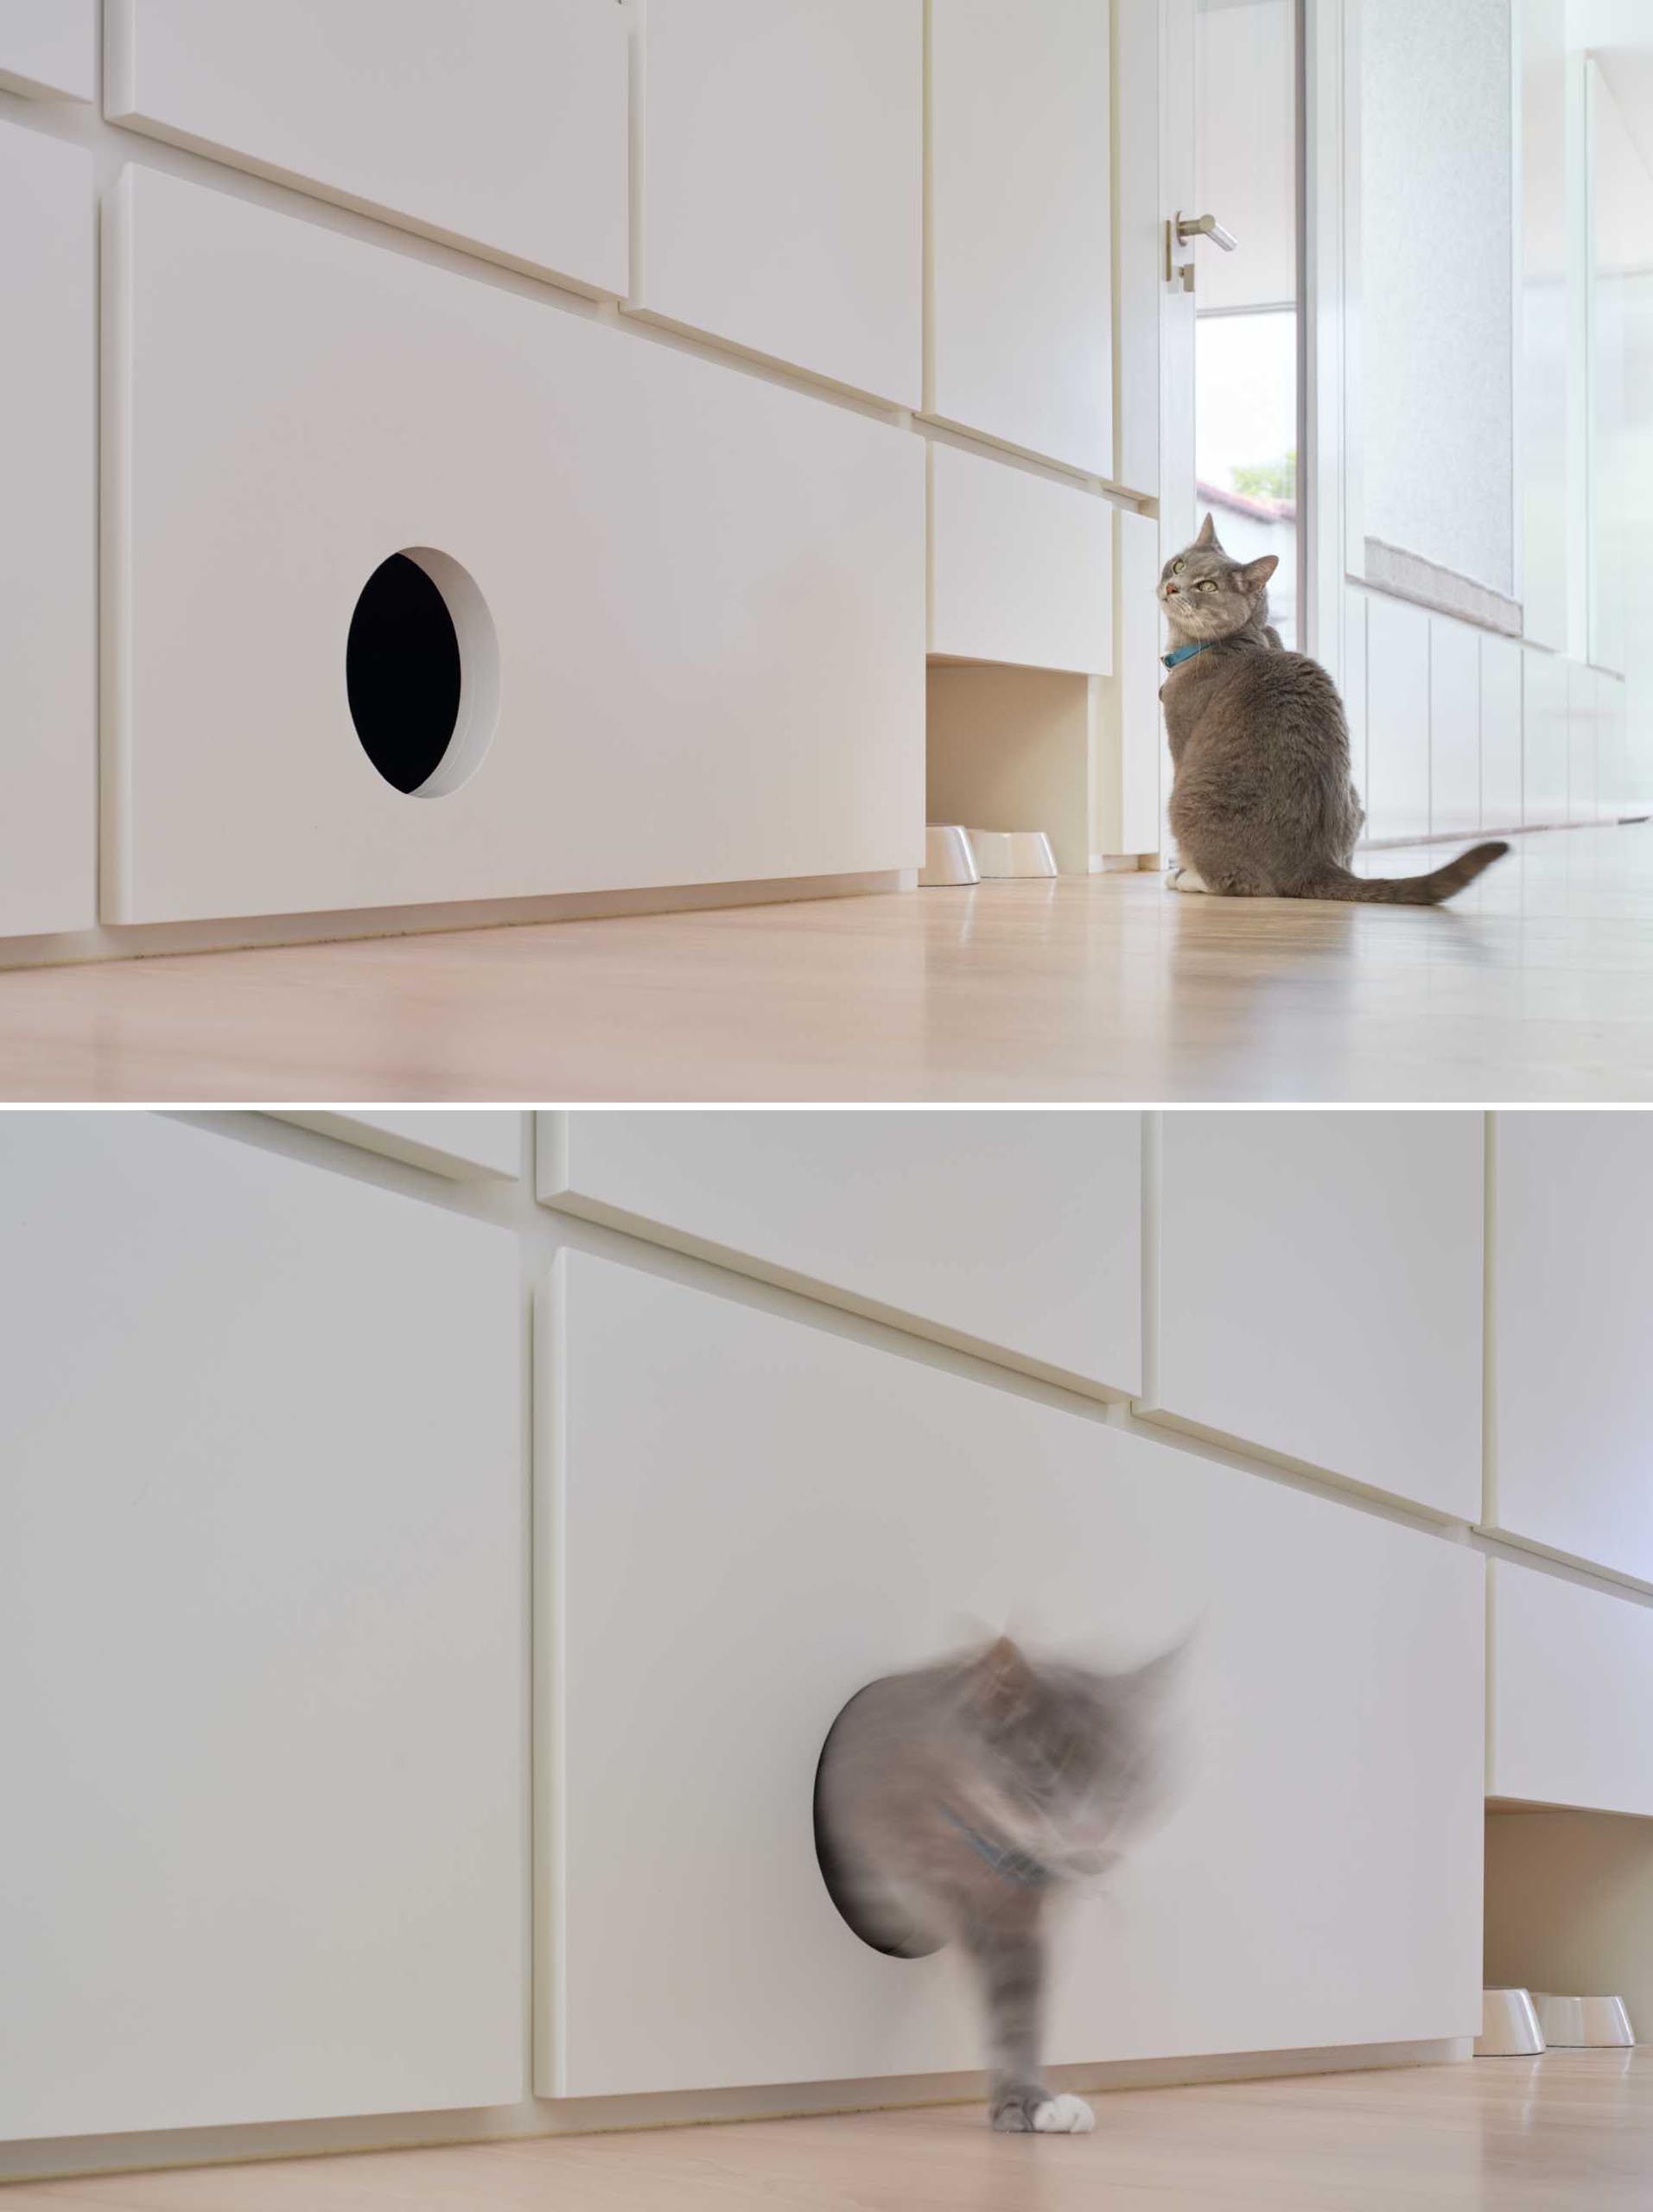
(1247, 383)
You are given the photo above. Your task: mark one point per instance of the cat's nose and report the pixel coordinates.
(1171, 591)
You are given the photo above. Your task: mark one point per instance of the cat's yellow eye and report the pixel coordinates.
(1208, 584)
(1177, 567)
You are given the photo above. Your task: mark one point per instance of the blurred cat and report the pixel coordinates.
(950, 1801)
(1263, 805)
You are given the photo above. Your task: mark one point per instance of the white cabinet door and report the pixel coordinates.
(468, 1147)
(1397, 719)
(1021, 248)
(1501, 803)
(1319, 1293)
(700, 648)
(49, 48)
(1020, 1231)
(782, 177)
(1572, 1693)
(1582, 777)
(747, 1518)
(261, 1638)
(1454, 726)
(1544, 737)
(1571, 1321)
(1020, 567)
(502, 126)
(49, 520)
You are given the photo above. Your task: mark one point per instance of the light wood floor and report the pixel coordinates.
(1571, 2131)
(1536, 984)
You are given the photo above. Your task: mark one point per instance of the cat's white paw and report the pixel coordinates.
(1063, 2116)
(1178, 878)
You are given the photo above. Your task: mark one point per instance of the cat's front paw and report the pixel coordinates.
(1063, 2116)
(1034, 2111)
(1179, 878)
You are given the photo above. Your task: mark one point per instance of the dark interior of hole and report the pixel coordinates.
(839, 1889)
(401, 671)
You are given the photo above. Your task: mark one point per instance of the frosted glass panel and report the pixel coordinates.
(1245, 140)
(1621, 420)
(1621, 397)
(1436, 249)
(1543, 490)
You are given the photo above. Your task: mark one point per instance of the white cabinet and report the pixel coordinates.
(1544, 737)
(503, 126)
(1501, 802)
(261, 1639)
(1454, 726)
(1397, 719)
(485, 1145)
(1572, 1319)
(1020, 567)
(1014, 1230)
(1021, 249)
(1580, 742)
(49, 48)
(1320, 1291)
(782, 182)
(1572, 1686)
(689, 604)
(766, 1515)
(48, 564)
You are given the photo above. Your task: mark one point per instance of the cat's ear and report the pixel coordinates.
(1004, 1680)
(1207, 531)
(1255, 573)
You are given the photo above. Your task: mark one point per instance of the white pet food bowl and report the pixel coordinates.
(947, 856)
(1579, 2023)
(1509, 2025)
(1012, 852)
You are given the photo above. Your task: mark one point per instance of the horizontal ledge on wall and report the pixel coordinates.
(62, 2158)
(1003, 1361)
(941, 430)
(1507, 1805)
(235, 934)
(1256, 1458)
(1589, 1574)
(1400, 574)
(714, 347)
(320, 197)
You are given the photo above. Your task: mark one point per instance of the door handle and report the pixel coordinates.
(1204, 226)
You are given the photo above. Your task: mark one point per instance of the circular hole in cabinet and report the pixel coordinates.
(421, 672)
(893, 1942)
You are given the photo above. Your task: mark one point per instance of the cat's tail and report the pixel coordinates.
(1407, 890)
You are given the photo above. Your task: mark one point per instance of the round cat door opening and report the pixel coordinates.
(421, 672)
(880, 1924)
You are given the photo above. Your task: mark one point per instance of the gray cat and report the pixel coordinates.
(1262, 805)
(949, 1803)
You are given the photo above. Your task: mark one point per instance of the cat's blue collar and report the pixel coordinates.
(1011, 1866)
(1187, 652)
